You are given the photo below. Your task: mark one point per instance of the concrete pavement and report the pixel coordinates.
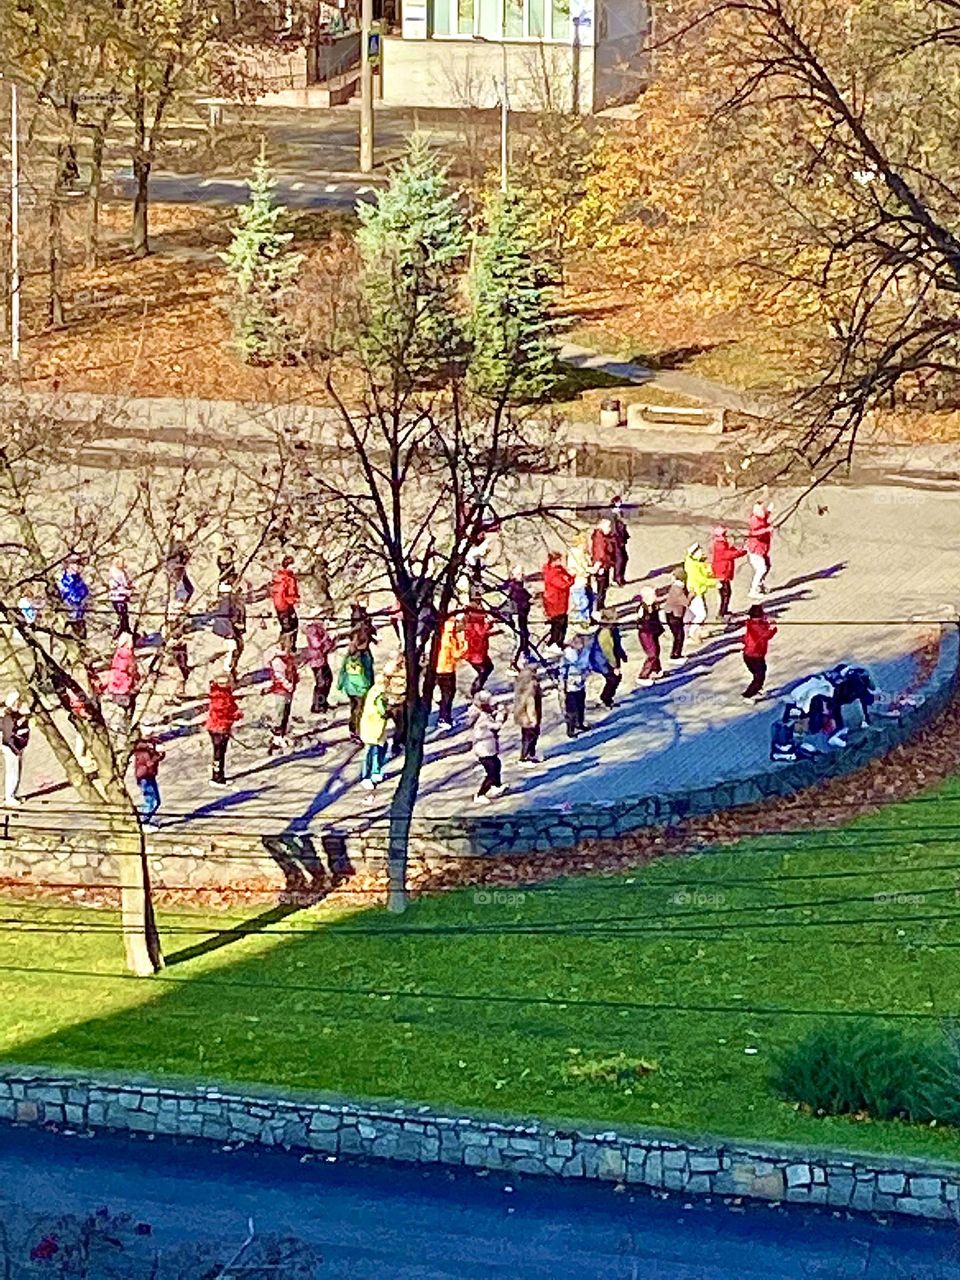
(394, 1223)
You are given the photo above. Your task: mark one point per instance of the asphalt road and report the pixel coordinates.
(336, 191)
(398, 1224)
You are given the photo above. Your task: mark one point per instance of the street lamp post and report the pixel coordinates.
(503, 93)
(14, 229)
(366, 88)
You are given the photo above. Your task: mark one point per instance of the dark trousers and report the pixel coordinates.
(758, 671)
(122, 609)
(447, 686)
(219, 743)
(675, 624)
(620, 566)
(356, 710)
(611, 684)
(322, 684)
(602, 583)
(558, 630)
(726, 591)
(651, 657)
(575, 710)
(78, 626)
(398, 714)
(523, 635)
(528, 742)
(180, 659)
(289, 622)
(484, 670)
(491, 773)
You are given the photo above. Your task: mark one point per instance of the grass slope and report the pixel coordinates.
(485, 998)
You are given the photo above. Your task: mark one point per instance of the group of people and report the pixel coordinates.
(583, 636)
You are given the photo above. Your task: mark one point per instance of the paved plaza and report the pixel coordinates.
(855, 573)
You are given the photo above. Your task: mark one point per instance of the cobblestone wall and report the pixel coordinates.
(418, 1135)
(297, 862)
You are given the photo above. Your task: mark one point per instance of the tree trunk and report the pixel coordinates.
(141, 941)
(55, 247)
(141, 232)
(402, 806)
(96, 184)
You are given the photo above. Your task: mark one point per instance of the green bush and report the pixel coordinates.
(865, 1068)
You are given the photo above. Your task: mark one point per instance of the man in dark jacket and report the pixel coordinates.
(621, 536)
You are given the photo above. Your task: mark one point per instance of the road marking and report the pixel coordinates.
(362, 191)
(296, 186)
(331, 186)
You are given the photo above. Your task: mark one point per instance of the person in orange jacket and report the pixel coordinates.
(285, 591)
(450, 653)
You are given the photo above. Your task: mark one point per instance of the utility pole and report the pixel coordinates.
(14, 230)
(504, 128)
(366, 88)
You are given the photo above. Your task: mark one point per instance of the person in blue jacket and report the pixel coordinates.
(74, 593)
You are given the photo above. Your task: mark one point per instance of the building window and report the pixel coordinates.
(465, 17)
(513, 19)
(503, 19)
(535, 19)
(561, 19)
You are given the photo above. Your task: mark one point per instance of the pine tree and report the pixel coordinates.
(412, 244)
(261, 269)
(513, 352)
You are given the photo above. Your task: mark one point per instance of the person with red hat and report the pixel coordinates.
(724, 555)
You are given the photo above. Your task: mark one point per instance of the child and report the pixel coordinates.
(284, 678)
(675, 605)
(760, 631)
(373, 735)
(222, 714)
(486, 747)
(146, 763)
(649, 631)
(528, 711)
(320, 644)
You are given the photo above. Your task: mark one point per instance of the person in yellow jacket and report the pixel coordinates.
(373, 735)
(700, 580)
(452, 651)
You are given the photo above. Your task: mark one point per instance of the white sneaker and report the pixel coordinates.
(481, 800)
(13, 803)
(496, 792)
(368, 784)
(149, 826)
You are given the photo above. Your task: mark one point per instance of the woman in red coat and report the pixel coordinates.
(723, 561)
(760, 631)
(223, 713)
(477, 629)
(557, 581)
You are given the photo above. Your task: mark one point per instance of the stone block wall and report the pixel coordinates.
(419, 1135)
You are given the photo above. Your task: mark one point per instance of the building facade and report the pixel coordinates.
(582, 54)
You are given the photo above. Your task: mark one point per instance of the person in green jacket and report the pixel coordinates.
(355, 679)
(700, 580)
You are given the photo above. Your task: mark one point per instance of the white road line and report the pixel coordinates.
(296, 186)
(331, 186)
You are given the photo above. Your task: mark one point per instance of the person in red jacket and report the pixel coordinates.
(603, 550)
(723, 561)
(557, 581)
(285, 591)
(477, 629)
(222, 714)
(760, 631)
(759, 535)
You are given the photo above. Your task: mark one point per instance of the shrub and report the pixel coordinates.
(863, 1068)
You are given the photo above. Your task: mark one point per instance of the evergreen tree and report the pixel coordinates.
(513, 353)
(412, 243)
(261, 269)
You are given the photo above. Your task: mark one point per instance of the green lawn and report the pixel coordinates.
(692, 964)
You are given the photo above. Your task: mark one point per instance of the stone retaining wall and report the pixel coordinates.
(301, 862)
(418, 1135)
